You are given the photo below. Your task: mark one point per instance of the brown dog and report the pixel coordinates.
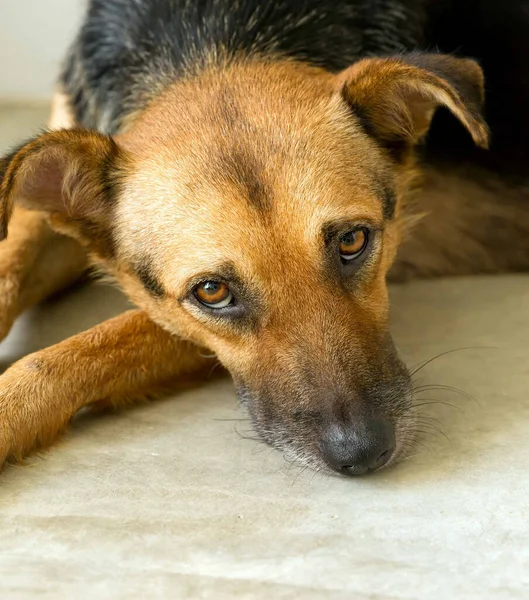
(254, 206)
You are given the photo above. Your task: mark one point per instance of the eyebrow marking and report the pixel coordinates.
(238, 160)
(383, 188)
(389, 203)
(144, 271)
(246, 172)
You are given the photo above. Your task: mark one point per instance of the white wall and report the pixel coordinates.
(34, 36)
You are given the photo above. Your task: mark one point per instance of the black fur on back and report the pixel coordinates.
(129, 50)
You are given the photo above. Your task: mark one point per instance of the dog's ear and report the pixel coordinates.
(395, 98)
(73, 175)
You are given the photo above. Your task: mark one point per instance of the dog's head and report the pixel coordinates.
(256, 209)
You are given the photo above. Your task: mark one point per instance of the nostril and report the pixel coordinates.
(382, 459)
(354, 469)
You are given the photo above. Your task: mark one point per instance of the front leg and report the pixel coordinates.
(124, 359)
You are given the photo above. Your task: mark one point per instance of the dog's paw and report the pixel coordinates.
(30, 418)
(17, 417)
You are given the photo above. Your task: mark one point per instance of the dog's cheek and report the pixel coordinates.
(268, 419)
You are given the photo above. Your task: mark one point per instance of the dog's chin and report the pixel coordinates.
(298, 452)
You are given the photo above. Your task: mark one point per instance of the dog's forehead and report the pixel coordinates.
(233, 192)
(258, 123)
(316, 158)
(250, 177)
(190, 230)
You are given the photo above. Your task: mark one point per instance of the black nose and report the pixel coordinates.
(361, 446)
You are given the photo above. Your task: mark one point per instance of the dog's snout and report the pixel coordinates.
(361, 446)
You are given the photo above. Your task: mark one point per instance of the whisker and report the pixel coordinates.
(316, 472)
(429, 402)
(248, 437)
(448, 388)
(422, 443)
(430, 360)
(434, 431)
(427, 420)
(291, 464)
(423, 415)
(410, 456)
(303, 469)
(272, 450)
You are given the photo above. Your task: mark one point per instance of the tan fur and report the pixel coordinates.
(245, 165)
(37, 397)
(400, 98)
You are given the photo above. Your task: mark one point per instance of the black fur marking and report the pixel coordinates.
(145, 273)
(109, 173)
(101, 238)
(360, 113)
(397, 148)
(389, 204)
(245, 172)
(129, 51)
(4, 163)
(241, 164)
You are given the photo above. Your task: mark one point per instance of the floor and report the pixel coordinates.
(170, 501)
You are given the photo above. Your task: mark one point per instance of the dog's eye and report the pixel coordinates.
(213, 294)
(353, 243)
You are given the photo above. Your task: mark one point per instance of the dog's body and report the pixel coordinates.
(266, 164)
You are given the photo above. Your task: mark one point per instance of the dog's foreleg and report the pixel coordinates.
(35, 262)
(124, 359)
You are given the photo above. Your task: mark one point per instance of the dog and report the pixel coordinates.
(252, 174)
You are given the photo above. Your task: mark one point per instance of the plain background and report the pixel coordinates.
(34, 36)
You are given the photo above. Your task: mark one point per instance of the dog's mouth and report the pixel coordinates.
(356, 443)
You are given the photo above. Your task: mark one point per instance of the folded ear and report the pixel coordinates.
(396, 98)
(71, 174)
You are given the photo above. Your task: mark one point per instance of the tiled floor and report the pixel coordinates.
(168, 501)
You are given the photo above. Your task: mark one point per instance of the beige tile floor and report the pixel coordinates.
(167, 500)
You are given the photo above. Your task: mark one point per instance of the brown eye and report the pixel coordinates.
(353, 243)
(213, 294)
